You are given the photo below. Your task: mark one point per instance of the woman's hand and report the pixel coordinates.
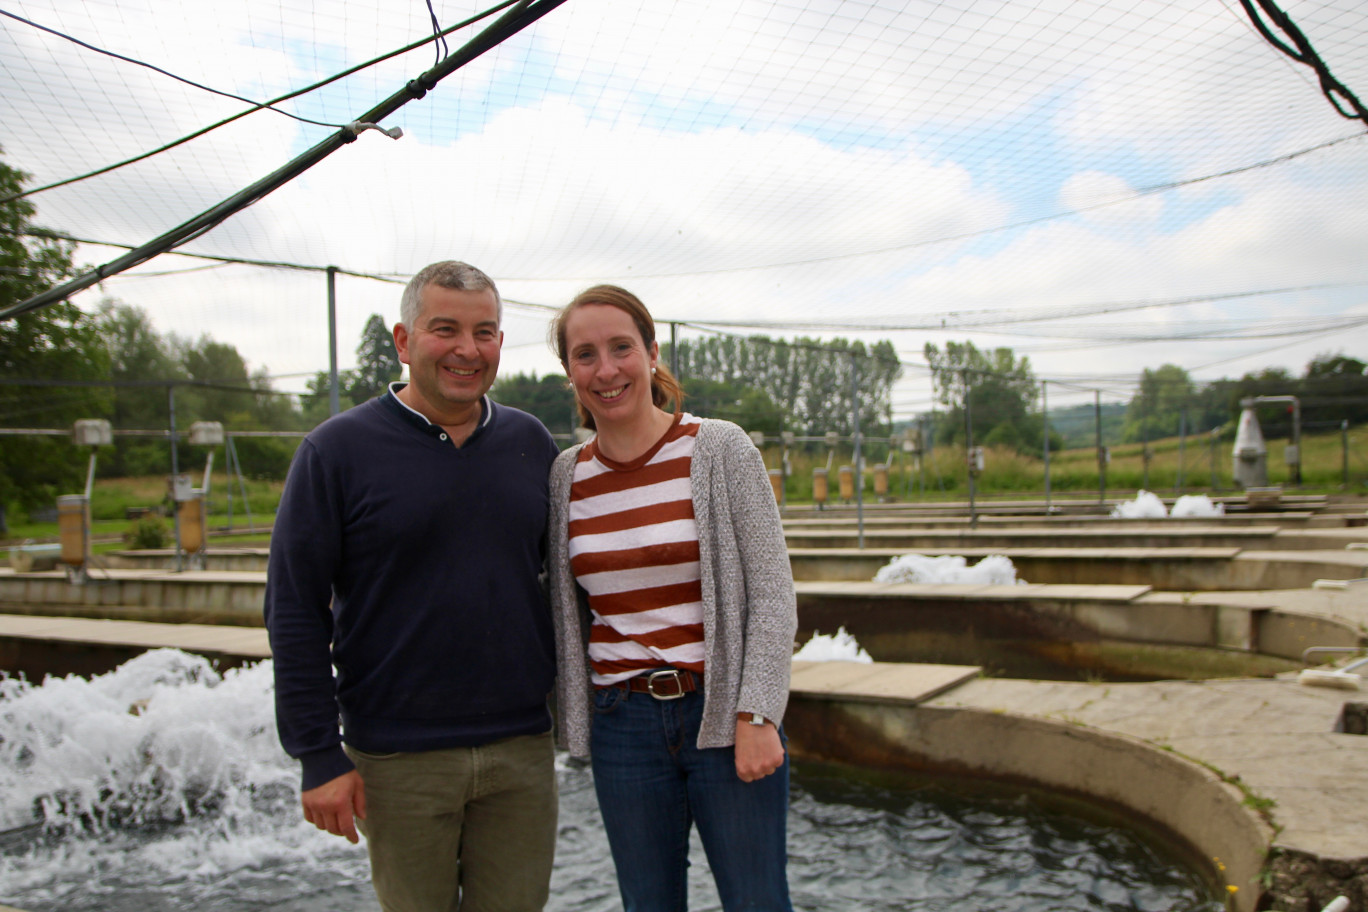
(758, 749)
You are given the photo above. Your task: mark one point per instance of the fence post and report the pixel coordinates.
(1344, 451)
(1045, 418)
(1101, 453)
(334, 398)
(969, 451)
(855, 423)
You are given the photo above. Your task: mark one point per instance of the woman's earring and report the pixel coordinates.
(653, 370)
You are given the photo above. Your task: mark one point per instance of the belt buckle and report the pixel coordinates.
(669, 673)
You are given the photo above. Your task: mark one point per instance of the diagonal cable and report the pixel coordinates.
(1337, 92)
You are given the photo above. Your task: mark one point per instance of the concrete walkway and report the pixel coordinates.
(1272, 744)
(1269, 744)
(204, 639)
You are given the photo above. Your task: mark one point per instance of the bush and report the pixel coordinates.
(150, 532)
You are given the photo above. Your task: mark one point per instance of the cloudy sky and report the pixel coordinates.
(1104, 186)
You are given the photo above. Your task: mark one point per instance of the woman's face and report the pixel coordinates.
(609, 364)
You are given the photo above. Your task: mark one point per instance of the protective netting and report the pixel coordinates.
(1104, 186)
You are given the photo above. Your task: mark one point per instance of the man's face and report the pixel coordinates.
(452, 351)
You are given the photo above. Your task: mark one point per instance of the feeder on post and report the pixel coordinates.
(775, 475)
(190, 501)
(975, 463)
(73, 510)
(846, 480)
(821, 489)
(912, 445)
(881, 480)
(786, 439)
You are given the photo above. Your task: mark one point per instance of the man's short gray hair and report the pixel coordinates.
(446, 274)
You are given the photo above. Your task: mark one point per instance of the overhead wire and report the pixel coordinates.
(269, 105)
(524, 14)
(961, 319)
(995, 229)
(256, 106)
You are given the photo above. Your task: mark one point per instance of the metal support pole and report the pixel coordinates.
(1145, 457)
(334, 397)
(175, 472)
(1344, 451)
(855, 423)
(674, 349)
(1101, 460)
(922, 427)
(1045, 419)
(1215, 436)
(242, 485)
(1182, 448)
(969, 452)
(1296, 440)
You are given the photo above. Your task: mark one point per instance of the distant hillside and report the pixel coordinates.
(1077, 424)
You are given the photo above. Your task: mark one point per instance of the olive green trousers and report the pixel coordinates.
(468, 829)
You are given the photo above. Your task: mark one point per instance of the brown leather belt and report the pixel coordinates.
(666, 684)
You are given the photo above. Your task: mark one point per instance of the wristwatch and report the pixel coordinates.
(757, 719)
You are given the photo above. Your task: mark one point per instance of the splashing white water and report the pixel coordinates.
(161, 739)
(837, 647)
(1149, 506)
(993, 570)
(1196, 505)
(1145, 506)
(162, 771)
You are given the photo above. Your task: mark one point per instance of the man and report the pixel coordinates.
(406, 554)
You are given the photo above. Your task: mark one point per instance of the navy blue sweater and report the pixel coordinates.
(411, 566)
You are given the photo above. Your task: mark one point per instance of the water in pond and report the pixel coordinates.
(160, 787)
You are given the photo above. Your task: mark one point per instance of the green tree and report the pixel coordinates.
(141, 363)
(377, 362)
(48, 346)
(999, 390)
(808, 380)
(747, 406)
(550, 399)
(377, 366)
(1159, 405)
(1335, 389)
(223, 390)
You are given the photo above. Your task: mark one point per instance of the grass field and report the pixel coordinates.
(1331, 463)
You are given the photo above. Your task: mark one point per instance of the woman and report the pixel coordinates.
(675, 617)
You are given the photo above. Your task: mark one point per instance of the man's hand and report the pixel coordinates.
(333, 805)
(758, 749)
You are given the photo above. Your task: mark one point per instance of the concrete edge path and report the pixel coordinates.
(1276, 735)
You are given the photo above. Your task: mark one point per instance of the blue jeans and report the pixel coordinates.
(653, 783)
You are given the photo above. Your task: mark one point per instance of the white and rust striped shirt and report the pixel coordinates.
(633, 546)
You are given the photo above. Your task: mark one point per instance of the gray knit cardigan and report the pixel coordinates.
(750, 614)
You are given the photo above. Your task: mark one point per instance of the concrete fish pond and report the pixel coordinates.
(159, 786)
(1252, 779)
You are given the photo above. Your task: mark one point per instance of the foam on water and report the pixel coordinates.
(1149, 506)
(1196, 505)
(993, 570)
(838, 647)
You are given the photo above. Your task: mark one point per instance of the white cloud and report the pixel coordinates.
(728, 161)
